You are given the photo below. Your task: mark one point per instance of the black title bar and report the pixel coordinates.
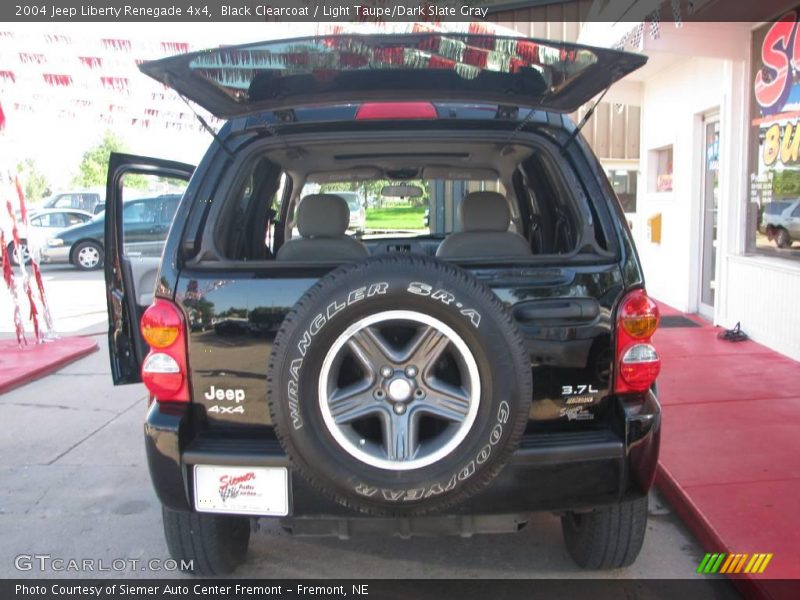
(377, 11)
(366, 589)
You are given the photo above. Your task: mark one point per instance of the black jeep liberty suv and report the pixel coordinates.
(477, 349)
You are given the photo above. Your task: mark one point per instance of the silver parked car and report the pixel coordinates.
(43, 224)
(90, 200)
(781, 222)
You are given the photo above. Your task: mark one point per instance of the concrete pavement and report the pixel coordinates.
(76, 298)
(74, 484)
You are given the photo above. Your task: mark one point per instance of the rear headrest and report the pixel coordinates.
(484, 211)
(322, 215)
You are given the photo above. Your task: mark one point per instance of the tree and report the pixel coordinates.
(36, 185)
(786, 183)
(93, 168)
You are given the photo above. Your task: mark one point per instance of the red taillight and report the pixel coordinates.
(637, 362)
(396, 110)
(161, 324)
(164, 370)
(638, 315)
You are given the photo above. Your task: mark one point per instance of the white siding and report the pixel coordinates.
(672, 108)
(762, 293)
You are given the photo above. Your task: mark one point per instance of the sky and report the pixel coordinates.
(57, 143)
(54, 130)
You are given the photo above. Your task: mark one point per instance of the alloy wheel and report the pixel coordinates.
(399, 390)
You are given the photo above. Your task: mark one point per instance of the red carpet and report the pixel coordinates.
(729, 449)
(21, 366)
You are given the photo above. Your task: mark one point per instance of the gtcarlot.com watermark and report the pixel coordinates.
(44, 563)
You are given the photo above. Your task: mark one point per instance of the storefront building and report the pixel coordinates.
(717, 190)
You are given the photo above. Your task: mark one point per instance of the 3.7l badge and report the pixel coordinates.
(578, 394)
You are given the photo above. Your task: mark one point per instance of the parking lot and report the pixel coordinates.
(75, 485)
(76, 299)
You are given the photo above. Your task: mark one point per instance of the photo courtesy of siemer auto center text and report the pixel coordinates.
(426, 299)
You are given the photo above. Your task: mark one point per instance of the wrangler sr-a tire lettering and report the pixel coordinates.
(317, 324)
(462, 475)
(445, 297)
(359, 366)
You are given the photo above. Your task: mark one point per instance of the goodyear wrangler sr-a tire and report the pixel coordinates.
(399, 385)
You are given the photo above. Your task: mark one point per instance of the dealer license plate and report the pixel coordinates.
(242, 490)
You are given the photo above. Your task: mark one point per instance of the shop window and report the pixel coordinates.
(661, 169)
(624, 183)
(774, 194)
(775, 211)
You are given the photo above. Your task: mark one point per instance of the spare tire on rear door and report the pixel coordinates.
(399, 385)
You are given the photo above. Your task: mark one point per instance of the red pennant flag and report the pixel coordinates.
(118, 84)
(175, 47)
(40, 284)
(23, 211)
(8, 274)
(32, 57)
(8, 277)
(117, 44)
(57, 80)
(91, 61)
(34, 316)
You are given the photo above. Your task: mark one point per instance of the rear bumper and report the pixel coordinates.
(549, 471)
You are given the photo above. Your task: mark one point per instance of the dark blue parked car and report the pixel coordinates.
(147, 221)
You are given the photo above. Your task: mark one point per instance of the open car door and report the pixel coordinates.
(142, 196)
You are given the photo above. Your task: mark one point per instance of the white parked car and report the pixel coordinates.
(43, 224)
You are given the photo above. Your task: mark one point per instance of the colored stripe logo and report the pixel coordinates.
(734, 563)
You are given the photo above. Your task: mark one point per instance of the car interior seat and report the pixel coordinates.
(484, 218)
(322, 220)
